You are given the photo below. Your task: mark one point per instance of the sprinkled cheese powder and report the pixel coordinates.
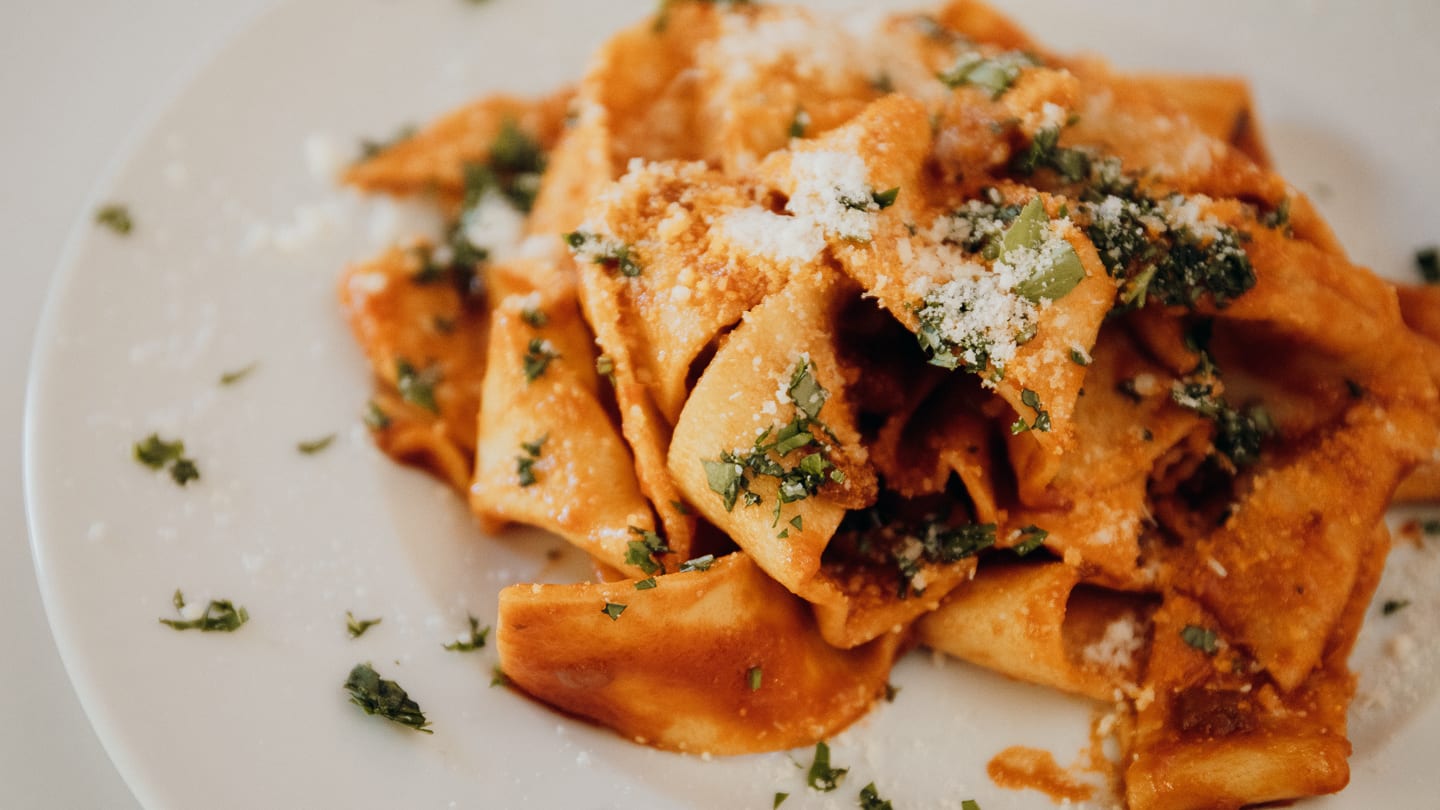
(824, 183)
(763, 233)
(1117, 648)
(978, 313)
(493, 224)
(981, 316)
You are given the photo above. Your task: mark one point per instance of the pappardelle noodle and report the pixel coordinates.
(827, 342)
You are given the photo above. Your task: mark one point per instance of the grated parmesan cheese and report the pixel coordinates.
(769, 235)
(825, 182)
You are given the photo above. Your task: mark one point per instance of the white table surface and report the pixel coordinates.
(78, 81)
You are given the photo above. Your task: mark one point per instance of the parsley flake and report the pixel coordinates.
(779, 799)
(642, 553)
(220, 616)
(475, 641)
(645, 584)
(156, 453)
(969, 804)
(1079, 356)
(994, 74)
(538, 354)
(183, 471)
(357, 627)
(232, 377)
(375, 419)
(608, 253)
(116, 217)
(498, 677)
(1200, 638)
(1032, 537)
(870, 799)
(525, 464)
(1031, 400)
(417, 387)
(822, 777)
(1393, 606)
(385, 698)
(1427, 261)
(753, 677)
(314, 446)
(371, 147)
(535, 316)
(613, 610)
(698, 564)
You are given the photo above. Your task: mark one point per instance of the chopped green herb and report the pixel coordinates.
(1427, 261)
(969, 804)
(605, 366)
(1031, 400)
(156, 453)
(220, 616)
(1031, 538)
(822, 777)
(877, 201)
(891, 691)
(1393, 606)
(799, 123)
(1053, 279)
(730, 475)
(314, 446)
(417, 387)
(1430, 526)
(232, 377)
(357, 627)
(1279, 218)
(1239, 434)
(725, 478)
(753, 677)
(535, 316)
(613, 610)
(1079, 356)
(183, 471)
(525, 464)
(512, 169)
(498, 677)
(1201, 638)
(698, 564)
(885, 199)
(779, 799)
(608, 253)
(476, 639)
(645, 584)
(994, 74)
(538, 354)
(642, 553)
(384, 698)
(681, 507)
(870, 799)
(369, 147)
(375, 419)
(115, 217)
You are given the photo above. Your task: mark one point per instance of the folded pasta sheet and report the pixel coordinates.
(824, 340)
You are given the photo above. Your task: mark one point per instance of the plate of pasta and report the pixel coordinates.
(735, 404)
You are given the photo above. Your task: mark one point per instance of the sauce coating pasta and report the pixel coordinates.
(825, 344)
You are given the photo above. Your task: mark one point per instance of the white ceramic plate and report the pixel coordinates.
(233, 262)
